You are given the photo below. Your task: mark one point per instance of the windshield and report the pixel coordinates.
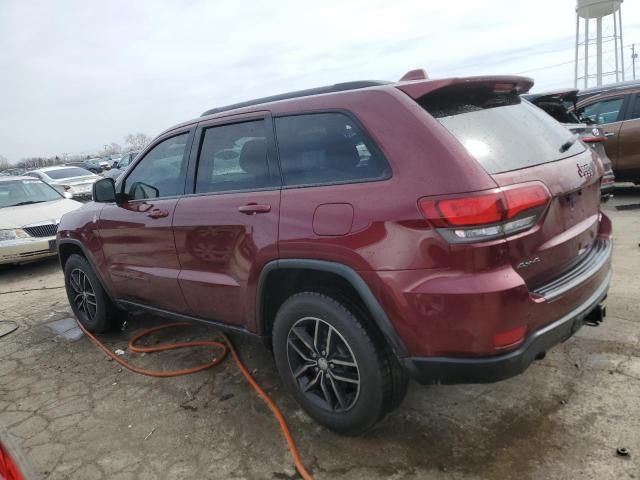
(67, 173)
(500, 131)
(25, 192)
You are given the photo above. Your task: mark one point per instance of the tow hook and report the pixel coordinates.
(595, 317)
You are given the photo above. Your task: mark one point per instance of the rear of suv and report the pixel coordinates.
(369, 232)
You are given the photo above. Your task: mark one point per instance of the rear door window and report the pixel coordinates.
(635, 113)
(605, 111)
(501, 131)
(325, 148)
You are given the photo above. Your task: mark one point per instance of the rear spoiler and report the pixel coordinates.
(499, 83)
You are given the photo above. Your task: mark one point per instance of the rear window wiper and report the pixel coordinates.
(569, 143)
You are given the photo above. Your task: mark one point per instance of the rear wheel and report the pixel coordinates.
(88, 299)
(341, 372)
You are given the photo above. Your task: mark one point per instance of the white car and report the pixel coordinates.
(74, 180)
(30, 212)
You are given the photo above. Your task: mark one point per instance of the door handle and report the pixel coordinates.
(609, 134)
(253, 208)
(158, 213)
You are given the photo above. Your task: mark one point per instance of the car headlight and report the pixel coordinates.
(12, 234)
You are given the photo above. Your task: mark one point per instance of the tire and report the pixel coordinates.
(351, 385)
(94, 309)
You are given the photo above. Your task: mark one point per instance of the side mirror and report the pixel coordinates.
(67, 195)
(104, 190)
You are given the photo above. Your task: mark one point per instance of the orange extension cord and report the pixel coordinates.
(225, 348)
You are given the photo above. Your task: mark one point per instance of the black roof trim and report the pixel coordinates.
(338, 87)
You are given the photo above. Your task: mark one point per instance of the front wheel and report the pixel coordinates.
(334, 364)
(88, 299)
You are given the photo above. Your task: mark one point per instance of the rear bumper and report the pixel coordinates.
(451, 370)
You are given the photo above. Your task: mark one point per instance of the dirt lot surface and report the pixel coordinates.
(74, 414)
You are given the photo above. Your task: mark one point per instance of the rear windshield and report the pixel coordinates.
(501, 131)
(67, 173)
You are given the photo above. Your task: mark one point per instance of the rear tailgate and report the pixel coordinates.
(517, 143)
(570, 224)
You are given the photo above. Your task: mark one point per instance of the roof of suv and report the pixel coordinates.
(415, 84)
(629, 84)
(338, 87)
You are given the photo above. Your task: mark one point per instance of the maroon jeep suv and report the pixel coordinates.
(370, 232)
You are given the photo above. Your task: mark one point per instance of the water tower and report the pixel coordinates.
(606, 16)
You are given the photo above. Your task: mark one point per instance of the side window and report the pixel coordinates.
(325, 148)
(161, 173)
(606, 111)
(635, 113)
(234, 157)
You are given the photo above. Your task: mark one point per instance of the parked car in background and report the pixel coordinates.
(13, 171)
(73, 180)
(30, 212)
(94, 165)
(112, 159)
(442, 229)
(120, 165)
(560, 104)
(615, 109)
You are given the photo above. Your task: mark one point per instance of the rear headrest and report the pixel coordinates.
(342, 155)
(253, 157)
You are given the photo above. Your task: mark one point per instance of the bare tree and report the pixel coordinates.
(4, 163)
(137, 141)
(113, 148)
(39, 162)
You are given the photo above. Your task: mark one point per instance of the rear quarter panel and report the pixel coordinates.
(388, 231)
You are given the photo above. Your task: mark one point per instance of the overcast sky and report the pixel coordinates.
(75, 75)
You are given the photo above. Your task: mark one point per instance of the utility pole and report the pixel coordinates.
(634, 56)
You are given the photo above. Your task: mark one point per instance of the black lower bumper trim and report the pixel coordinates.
(452, 370)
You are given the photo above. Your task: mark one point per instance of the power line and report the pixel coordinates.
(564, 63)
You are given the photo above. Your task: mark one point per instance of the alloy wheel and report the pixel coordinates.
(323, 365)
(84, 297)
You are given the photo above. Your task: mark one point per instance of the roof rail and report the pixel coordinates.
(338, 87)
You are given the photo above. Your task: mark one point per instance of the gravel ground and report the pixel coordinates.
(74, 414)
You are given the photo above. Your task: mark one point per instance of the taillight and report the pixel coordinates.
(487, 215)
(476, 210)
